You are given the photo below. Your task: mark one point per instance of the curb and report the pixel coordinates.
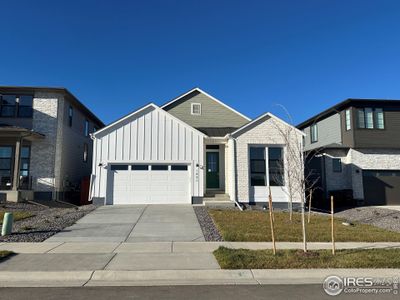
(183, 277)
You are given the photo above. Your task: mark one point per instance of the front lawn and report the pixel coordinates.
(18, 215)
(297, 259)
(254, 226)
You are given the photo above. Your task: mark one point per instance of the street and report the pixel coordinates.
(230, 292)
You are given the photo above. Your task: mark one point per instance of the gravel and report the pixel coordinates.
(210, 231)
(379, 217)
(45, 222)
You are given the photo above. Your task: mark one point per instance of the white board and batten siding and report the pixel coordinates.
(148, 136)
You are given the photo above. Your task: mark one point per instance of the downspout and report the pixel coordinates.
(233, 173)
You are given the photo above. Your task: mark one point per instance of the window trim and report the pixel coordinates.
(191, 109)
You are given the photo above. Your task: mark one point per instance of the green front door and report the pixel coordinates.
(212, 170)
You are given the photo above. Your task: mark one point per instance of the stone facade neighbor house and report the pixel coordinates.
(193, 149)
(45, 144)
(357, 147)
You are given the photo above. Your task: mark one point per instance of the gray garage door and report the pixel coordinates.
(381, 187)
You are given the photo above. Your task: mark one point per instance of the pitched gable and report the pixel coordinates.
(214, 113)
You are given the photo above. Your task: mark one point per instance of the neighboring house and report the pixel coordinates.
(357, 147)
(45, 144)
(191, 148)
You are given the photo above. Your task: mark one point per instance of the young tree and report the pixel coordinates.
(298, 183)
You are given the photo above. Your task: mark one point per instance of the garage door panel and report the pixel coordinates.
(381, 187)
(151, 187)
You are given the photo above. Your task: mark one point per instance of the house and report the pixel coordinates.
(190, 149)
(45, 147)
(357, 147)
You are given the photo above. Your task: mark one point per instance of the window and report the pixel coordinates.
(24, 181)
(360, 118)
(5, 166)
(196, 109)
(159, 167)
(379, 121)
(276, 167)
(179, 168)
(86, 129)
(348, 119)
(85, 152)
(139, 167)
(314, 133)
(25, 106)
(8, 105)
(119, 167)
(336, 165)
(257, 166)
(16, 106)
(370, 118)
(70, 115)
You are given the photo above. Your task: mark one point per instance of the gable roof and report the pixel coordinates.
(344, 104)
(156, 107)
(208, 95)
(261, 117)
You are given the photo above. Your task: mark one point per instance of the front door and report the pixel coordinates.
(212, 171)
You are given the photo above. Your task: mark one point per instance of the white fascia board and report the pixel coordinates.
(211, 97)
(268, 114)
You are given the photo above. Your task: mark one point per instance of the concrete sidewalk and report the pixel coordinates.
(172, 247)
(152, 263)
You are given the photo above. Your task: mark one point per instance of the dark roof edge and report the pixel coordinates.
(60, 90)
(341, 105)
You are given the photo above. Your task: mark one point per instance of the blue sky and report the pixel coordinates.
(118, 55)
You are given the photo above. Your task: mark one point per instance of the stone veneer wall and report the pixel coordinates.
(269, 133)
(43, 152)
(354, 161)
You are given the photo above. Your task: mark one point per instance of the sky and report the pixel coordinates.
(255, 56)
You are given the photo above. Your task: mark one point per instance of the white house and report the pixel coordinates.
(190, 150)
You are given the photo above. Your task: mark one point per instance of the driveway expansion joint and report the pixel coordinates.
(134, 225)
(61, 243)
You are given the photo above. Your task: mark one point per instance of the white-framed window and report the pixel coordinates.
(195, 109)
(348, 119)
(266, 166)
(314, 133)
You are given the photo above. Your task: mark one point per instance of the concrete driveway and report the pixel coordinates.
(134, 223)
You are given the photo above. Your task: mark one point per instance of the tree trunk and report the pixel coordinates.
(303, 225)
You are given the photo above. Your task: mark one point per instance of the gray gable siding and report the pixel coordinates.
(329, 132)
(213, 114)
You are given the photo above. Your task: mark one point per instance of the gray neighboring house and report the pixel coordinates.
(358, 149)
(45, 144)
(193, 149)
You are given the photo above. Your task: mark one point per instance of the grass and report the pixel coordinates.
(254, 226)
(18, 215)
(297, 259)
(4, 254)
